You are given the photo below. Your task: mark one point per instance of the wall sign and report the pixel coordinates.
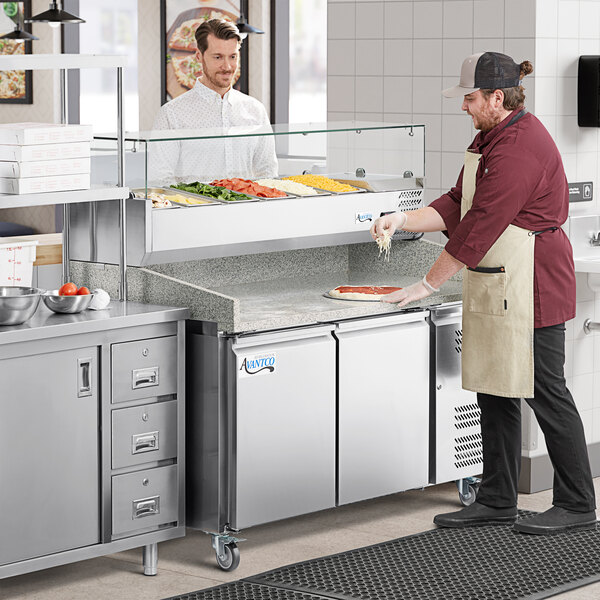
(16, 87)
(582, 191)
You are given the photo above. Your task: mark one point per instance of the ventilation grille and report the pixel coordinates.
(458, 341)
(466, 416)
(409, 200)
(468, 450)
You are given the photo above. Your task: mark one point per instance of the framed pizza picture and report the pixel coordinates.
(179, 21)
(16, 87)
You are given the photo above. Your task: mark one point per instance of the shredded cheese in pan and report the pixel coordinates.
(384, 242)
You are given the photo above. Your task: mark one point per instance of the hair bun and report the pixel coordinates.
(526, 68)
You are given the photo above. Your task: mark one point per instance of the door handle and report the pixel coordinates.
(141, 378)
(84, 377)
(145, 507)
(144, 442)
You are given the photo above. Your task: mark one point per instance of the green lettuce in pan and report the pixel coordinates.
(211, 191)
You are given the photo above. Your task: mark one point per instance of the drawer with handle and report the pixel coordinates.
(144, 434)
(144, 369)
(144, 499)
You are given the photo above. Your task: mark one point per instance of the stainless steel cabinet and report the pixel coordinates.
(383, 405)
(49, 453)
(283, 410)
(80, 475)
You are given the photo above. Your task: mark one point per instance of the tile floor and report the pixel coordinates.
(188, 564)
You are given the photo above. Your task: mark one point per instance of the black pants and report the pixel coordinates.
(558, 419)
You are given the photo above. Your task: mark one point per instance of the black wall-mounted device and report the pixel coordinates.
(588, 91)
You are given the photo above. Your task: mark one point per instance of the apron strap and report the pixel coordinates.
(543, 231)
(520, 114)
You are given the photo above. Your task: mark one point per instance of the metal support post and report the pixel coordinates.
(121, 182)
(64, 119)
(150, 559)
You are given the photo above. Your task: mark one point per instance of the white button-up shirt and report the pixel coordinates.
(216, 158)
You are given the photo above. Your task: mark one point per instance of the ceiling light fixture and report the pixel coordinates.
(18, 34)
(54, 16)
(244, 27)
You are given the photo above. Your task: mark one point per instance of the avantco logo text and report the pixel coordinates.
(258, 364)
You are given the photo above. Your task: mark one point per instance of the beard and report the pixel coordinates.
(216, 80)
(487, 119)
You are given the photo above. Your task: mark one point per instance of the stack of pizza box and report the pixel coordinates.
(44, 157)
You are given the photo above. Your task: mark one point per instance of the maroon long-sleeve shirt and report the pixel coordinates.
(520, 180)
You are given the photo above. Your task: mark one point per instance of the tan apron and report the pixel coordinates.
(497, 349)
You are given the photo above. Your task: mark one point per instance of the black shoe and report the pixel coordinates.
(556, 520)
(477, 515)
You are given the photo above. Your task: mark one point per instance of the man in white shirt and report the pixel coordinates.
(213, 104)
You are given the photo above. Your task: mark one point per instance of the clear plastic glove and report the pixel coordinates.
(389, 223)
(412, 293)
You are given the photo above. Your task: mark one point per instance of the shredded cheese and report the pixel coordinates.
(384, 242)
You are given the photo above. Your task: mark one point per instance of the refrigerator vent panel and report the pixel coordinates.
(468, 451)
(409, 200)
(458, 340)
(466, 416)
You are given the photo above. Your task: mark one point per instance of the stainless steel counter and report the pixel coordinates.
(46, 324)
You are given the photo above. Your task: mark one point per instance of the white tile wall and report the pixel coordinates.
(392, 58)
(398, 20)
(398, 58)
(369, 20)
(457, 20)
(488, 19)
(369, 57)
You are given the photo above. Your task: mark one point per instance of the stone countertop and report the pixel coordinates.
(277, 290)
(291, 302)
(47, 324)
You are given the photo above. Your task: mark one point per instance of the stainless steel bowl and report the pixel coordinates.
(66, 304)
(17, 304)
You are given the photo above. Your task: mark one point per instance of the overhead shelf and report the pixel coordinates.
(94, 194)
(26, 62)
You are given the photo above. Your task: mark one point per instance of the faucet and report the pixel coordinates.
(595, 239)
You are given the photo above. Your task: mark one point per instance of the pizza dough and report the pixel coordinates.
(362, 292)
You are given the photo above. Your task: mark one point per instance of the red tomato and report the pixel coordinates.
(83, 291)
(69, 289)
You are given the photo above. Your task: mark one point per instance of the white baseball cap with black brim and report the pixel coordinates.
(485, 71)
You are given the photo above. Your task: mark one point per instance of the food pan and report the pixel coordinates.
(141, 193)
(191, 194)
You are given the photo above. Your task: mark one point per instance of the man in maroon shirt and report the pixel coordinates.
(507, 208)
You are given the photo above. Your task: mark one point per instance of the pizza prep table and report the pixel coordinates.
(277, 375)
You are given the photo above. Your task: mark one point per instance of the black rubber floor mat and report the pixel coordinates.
(481, 563)
(241, 590)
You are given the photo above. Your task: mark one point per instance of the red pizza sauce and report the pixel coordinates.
(366, 289)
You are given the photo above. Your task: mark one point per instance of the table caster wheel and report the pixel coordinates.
(230, 558)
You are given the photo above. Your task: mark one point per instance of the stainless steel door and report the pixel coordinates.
(283, 451)
(383, 405)
(456, 433)
(49, 462)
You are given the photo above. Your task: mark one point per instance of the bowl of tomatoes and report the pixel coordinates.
(69, 299)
